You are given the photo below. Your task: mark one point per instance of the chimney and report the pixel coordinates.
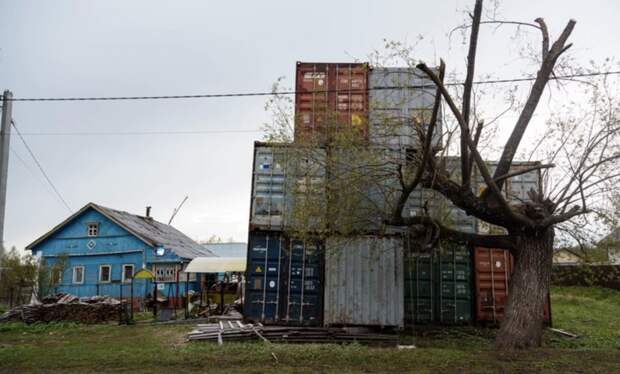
(148, 212)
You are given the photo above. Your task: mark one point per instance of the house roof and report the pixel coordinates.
(235, 249)
(151, 232)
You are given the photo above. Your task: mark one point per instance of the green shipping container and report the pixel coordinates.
(438, 286)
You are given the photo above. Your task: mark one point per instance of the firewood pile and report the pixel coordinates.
(238, 331)
(66, 307)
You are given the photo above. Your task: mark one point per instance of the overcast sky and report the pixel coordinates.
(112, 48)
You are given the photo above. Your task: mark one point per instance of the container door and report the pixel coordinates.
(268, 189)
(302, 283)
(263, 277)
(493, 268)
(419, 305)
(330, 95)
(454, 296)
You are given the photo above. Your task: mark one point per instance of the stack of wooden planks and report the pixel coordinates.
(237, 331)
(67, 307)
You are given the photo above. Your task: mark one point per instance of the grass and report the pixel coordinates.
(592, 313)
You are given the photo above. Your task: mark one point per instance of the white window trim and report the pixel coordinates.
(109, 274)
(88, 229)
(74, 273)
(133, 269)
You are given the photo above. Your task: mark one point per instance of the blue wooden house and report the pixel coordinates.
(104, 247)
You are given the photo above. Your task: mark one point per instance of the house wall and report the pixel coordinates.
(113, 246)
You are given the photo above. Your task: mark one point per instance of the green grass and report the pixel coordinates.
(592, 313)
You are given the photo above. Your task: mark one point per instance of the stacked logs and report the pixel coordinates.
(67, 307)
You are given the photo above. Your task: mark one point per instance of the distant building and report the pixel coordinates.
(236, 249)
(104, 247)
(564, 256)
(611, 245)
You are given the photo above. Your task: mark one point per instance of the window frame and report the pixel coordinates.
(73, 280)
(109, 266)
(88, 227)
(56, 276)
(170, 271)
(123, 278)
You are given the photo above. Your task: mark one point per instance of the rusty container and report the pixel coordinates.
(493, 269)
(330, 96)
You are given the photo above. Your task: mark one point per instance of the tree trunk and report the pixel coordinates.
(522, 326)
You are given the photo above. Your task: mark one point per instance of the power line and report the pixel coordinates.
(41, 167)
(276, 93)
(137, 133)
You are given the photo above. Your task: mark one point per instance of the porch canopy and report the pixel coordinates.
(216, 265)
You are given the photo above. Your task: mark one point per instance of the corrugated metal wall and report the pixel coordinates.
(364, 282)
(282, 175)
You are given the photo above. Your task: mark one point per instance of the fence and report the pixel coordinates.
(587, 275)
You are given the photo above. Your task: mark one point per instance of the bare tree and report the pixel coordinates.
(370, 184)
(585, 152)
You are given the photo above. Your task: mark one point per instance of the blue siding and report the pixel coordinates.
(113, 246)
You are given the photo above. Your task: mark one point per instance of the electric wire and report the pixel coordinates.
(137, 133)
(277, 93)
(36, 161)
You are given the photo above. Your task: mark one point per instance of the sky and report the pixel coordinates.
(124, 48)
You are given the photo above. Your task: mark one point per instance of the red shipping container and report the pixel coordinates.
(329, 96)
(493, 268)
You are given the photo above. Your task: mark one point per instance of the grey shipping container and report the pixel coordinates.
(284, 280)
(397, 96)
(364, 282)
(279, 171)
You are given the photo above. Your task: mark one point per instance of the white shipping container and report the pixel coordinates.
(364, 281)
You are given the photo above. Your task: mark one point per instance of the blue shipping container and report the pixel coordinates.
(284, 282)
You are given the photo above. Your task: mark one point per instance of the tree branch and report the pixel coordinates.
(482, 167)
(523, 171)
(491, 241)
(467, 91)
(545, 36)
(427, 152)
(510, 149)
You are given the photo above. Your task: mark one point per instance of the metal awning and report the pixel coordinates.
(216, 265)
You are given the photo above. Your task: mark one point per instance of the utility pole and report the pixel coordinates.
(5, 139)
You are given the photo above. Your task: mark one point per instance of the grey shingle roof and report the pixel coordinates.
(157, 233)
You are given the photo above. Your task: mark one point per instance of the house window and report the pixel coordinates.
(166, 273)
(78, 274)
(127, 272)
(93, 229)
(105, 272)
(56, 277)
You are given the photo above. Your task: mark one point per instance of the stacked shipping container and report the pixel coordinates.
(493, 269)
(438, 286)
(330, 96)
(363, 280)
(284, 279)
